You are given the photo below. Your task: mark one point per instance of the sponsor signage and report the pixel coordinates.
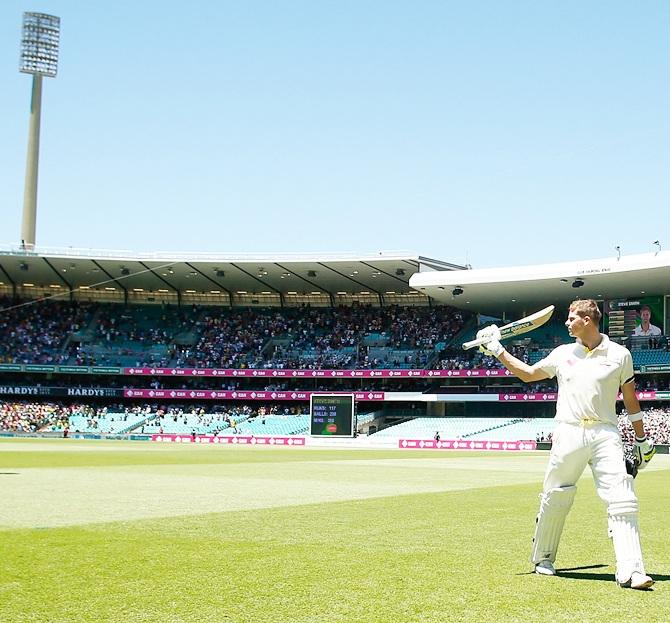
(242, 440)
(316, 374)
(464, 444)
(208, 394)
(280, 373)
(48, 369)
(467, 373)
(38, 368)
(553, 396)
(89, 392)
(263, 374)
(23, 390)
(641, 396)
(658, 368)
(35, 390)
(538, 397)
(192, 394)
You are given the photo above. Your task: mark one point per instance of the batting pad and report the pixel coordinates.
(624, 529)
(554, 507)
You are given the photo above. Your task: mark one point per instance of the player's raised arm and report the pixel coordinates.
(492, 346)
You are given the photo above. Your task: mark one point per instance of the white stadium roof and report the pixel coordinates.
(523, 288)
(380, 273)
(493, 291)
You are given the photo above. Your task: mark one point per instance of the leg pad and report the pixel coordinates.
(554, 507)
(624, 529)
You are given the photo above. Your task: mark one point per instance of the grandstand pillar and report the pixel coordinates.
(436, 409)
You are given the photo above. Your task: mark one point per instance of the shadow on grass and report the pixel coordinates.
(9, 473)
(576, 572)
(582, 573)
(586, 573)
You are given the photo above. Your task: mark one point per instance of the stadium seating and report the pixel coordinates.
(40, 333)
(185, 423)
(491, 429)
(109, 423)
(276, 425)
(650, 357)
(127, 335)
(449, 428)
(640, 357)
(366, 418)
(362, 337)
(519, 430)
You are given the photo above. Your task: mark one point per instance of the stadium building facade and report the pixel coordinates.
(254, 336)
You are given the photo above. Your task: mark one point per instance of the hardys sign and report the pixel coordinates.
(22, 390)
(92, 391)
(34, 390)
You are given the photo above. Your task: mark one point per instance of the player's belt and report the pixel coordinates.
(589, 421)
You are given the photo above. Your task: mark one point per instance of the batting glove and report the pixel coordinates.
(492, 345)
(644, 451)
(631, 467)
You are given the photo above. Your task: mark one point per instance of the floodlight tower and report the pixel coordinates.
(39, 56)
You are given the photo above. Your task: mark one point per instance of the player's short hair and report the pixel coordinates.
(645, 307)
(586, 307)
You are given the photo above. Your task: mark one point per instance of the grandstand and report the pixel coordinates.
(110, 423)
(236, 345)
(277, 425)
(489, 429)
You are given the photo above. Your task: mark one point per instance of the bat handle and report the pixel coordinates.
(474, 343)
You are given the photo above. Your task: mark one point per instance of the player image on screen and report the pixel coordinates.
(645, 328)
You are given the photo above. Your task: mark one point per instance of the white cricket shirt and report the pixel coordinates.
(588, 380)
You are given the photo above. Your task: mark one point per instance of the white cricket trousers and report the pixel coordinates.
(574, 447)
(599, 446)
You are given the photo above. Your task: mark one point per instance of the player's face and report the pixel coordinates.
(575, 324)
(645, 314)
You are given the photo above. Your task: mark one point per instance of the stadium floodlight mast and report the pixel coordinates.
(40, 39)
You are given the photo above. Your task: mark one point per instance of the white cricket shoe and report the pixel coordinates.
(638, 581)
(544, 567)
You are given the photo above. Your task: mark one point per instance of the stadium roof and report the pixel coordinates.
(378, 273)
(525, 288)
(493, 291)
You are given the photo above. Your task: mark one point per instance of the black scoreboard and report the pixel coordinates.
(332, 415)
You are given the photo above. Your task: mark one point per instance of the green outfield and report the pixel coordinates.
(139, 532)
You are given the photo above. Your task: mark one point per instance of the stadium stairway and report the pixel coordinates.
(493, 428)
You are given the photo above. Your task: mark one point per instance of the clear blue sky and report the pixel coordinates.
(496, 133)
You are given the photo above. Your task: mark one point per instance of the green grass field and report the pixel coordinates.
(130, 532)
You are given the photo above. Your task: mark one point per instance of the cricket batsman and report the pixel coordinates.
(590, 373)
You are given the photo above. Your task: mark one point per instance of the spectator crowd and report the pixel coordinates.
(344, 337)
(656, 424)
(39, 332)
(59, 332)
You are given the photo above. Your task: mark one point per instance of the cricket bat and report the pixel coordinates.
(523, 325)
